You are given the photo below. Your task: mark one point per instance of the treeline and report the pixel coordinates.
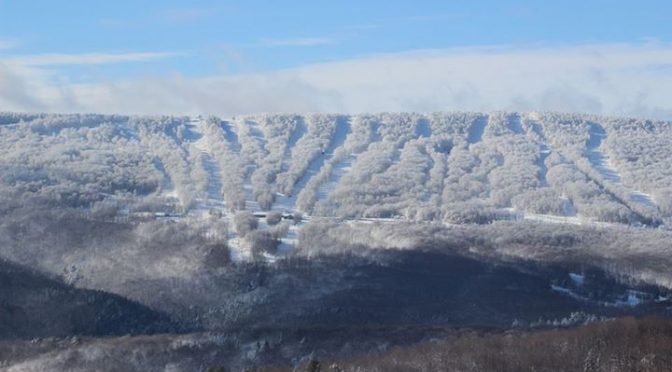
(626, 344)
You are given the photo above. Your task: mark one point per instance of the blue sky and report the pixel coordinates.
(105, 46)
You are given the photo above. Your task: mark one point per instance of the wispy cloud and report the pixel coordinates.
(118, 23)
(86, 58)
(184, 15)
(363, 27)
(429, 17)
(164, 16)
(299, 42)
(612, 79)
(6, 44)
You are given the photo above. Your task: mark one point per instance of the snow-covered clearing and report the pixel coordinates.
(544, 152)
(601, 162)
(167, 186)
(339, 169)
(214, 198)
(571, 218)
(288, 202)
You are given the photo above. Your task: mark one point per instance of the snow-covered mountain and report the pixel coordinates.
(242, 226)
(452, 167)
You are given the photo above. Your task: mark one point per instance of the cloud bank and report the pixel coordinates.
(611, 79)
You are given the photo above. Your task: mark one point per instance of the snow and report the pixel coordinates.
(571, 219)
(214, 199)
(341, 165)
(602, 163)
(324, 170)
(239, 251)
(578, 279)
(251, 203)
(339, 170)
(167, 187)
(288, 203)
(289, 242)
(632, 298)
(566, 291)
(544, 152)
(549, 218)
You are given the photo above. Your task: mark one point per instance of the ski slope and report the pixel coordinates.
(386, 167)
(601, 162)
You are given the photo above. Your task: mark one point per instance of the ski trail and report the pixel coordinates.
(427, 180)
(238, 251)
(167, 186)
(341, 164)
(214, 181)
(438, 174)
(230, 136)
(298, 133)
(536, 132)
(214, 197)
(337, 140)
(252, 150)
(288, 202)
(601, 162)
(339, 169)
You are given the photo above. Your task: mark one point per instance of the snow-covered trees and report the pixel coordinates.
(432, 166)
(245, 222)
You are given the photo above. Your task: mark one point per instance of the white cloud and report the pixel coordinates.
(299, 42)
(613, 79)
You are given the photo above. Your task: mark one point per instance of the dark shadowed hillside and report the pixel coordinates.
(33, 305)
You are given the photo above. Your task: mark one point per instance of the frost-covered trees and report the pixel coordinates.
(245, 222)
(316, 135)
(411, 166)
(273, 218)
(74, 159)
(224, 145)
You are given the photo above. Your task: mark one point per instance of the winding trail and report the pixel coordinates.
(544, 152)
